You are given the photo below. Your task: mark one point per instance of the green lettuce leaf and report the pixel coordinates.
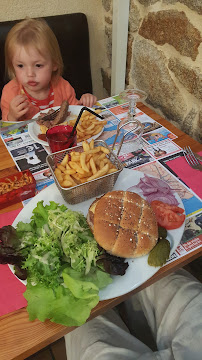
(69, 305)
(58, 305)
(60, 258)
(43, 261)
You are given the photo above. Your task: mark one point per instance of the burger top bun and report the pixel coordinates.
(123, 224)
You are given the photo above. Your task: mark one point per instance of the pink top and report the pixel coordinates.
(62, 91)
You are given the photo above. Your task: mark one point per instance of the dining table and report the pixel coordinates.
(19, 337)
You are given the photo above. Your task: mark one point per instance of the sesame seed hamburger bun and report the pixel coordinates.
(123, 224)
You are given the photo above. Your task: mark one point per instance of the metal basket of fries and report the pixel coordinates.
(84, 171)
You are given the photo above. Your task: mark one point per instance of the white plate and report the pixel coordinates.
(34, 128)
(138, 271)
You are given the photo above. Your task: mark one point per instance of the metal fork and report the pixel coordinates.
(191, 158)
(5, 129)
(51, 116)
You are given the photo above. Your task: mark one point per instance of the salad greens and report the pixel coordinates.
(59, 253)
(70, 304)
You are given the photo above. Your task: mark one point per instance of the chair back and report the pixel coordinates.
(72, 34)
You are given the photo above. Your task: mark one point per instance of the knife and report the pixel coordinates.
(5, 129)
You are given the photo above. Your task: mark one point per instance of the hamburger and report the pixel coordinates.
(123, 224)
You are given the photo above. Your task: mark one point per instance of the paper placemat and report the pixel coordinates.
(192, 178)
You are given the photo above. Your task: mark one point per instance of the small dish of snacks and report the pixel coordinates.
(84, 171)
(17, 187)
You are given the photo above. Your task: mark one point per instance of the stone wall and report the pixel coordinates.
(164, 58)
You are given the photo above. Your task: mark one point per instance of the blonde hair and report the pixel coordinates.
(36, 33)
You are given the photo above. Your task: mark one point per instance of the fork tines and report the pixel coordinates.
(52, 115)
(190, 157)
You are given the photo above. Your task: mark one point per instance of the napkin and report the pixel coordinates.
(192, 178)
(11, 294)
(9, 217)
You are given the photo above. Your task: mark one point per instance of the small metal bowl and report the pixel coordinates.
(90, 189)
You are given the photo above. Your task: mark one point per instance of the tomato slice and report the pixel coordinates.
(169, 216)
(174, 208)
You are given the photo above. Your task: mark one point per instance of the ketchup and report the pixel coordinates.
(42, 137)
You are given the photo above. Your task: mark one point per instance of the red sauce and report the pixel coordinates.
(42, 137)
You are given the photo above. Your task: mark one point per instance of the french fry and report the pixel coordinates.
(91, 116)
(102, 164)
(60, 167)
(79, 127)
(91, 126)
(84, 166)
(67, 166)
(86, 175)
(93, 151)
(65, 160)
(105, 161)
(91, 145)
(90, 131)
(88, 165)
(66, 183)
(88, 156)
(70, 171)
(83, 161)
(60, 178)
(99, 173)
(75, 158)
(69, 178)
(112, 170)
(83, 180)
(76, 167)
(86, 146)
(102, 156)
(58, 172)
(93, 166)
(77, 178)
(85, 113)
(104, 149)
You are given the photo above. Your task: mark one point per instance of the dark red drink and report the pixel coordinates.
(58, 137)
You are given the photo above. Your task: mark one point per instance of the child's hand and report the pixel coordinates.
(88, 100)
(18, 107)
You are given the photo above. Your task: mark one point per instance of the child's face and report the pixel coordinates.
(32, 70)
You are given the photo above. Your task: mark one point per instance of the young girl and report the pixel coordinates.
(34, 63)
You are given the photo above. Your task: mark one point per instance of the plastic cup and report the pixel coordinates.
(58, 137)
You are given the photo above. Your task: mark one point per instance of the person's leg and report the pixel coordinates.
(173, 308)
(105, 338)
(132, 313)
